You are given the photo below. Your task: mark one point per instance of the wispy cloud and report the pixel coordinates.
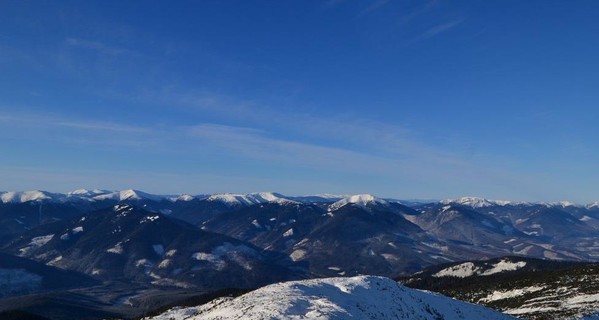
(424, 8)
(100, 47)
(352, 132)
(256, 144)
(56, 128)
(345, 130)
(392, 157)
(441, 28)
(418, 169)
(374, 6)
(49, 120)
(103, 126)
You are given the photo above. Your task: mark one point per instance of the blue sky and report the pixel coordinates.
(406, 99)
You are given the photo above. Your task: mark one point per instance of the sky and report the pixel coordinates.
(410, 99)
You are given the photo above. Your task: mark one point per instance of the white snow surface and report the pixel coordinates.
(83, 195)
(462, 270)
(117, 249)
(475, 202)
(234, 199)
(468, 269)
(365, 201)
(85, 192)
(129, 194)
(500, 295)
(363, 297)
(563, 204)
(183, 197)
(25, 196)
(77, 229)
(41, 240)
(504, 265)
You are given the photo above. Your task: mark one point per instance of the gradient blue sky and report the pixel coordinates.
(406, 99)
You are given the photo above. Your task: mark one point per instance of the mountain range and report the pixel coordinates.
(159, 251)
(363, 234)
(252, 198)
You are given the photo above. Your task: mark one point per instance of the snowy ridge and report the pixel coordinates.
(232, 199)
(319, 198)
(128, 195)
(363, 200)
(363, 297)
(592, 205)
(366, 201)
(475, 202)
(182, 197)
(331, 196)
(86, 193)
(26, 196)
(564, 204)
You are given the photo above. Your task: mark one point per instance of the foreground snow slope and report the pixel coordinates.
(363, 297)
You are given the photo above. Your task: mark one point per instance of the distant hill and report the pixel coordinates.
(523, 287)
(365, 297)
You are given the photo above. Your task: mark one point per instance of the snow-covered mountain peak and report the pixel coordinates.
(86, 192)
(476, 202)
(592, 205)
(182, 197)
(361, 198)
(363, 297)
(79, 192)
(232, 199)
(267, 196)
(25, 196)
(129, 194)
(365, 201)
(563, 204)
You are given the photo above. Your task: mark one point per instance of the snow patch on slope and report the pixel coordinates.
(463, 270)
(500, 295)
(504, 265)
(468, 269)
(35, 243)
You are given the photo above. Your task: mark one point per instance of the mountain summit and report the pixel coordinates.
(364, 297)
